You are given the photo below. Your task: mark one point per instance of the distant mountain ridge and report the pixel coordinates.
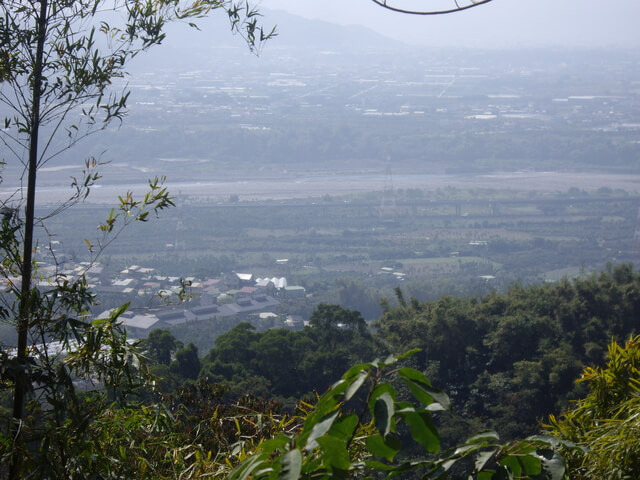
(296, 31)
(184, 43)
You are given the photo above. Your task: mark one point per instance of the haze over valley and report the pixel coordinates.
(213, 113)
(340, 115)
(339, 153)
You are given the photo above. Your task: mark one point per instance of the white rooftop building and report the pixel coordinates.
(278, 283)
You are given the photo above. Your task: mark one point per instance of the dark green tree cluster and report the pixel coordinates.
(275, 363)
(511, 359)
(291, 363)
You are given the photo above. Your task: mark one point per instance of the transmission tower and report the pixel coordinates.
(636, 235)
(388, 209)
(180, 243)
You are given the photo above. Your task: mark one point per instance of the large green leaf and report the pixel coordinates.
(554, 442)
(377, 392)
(320, 429)
(344, 427)
(336, 389)
(291, 465)
(467, 448)
(383, 448)
(247, 468)
(483, 459)
(423, 430)
(355, 385)
(277, 443)
(421, 388)
(513, 464)
(356, 370)
(531, 465)
(383, 411)
(408, 353)
(552, 463)
(481, 437)
(334, 452)
(327, 405)
(116, 312)
(414, 375)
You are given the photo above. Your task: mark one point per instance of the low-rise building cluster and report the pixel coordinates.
(233, 294)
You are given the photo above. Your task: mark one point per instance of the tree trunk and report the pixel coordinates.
(24, 304)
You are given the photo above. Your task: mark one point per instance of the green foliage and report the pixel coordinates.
(506, 359)
(335, 325)
(160, 346)
(187, 363)
(511, 359)
(73, 366)
(193, 433)
(292, 363)
(606, 423)
(88, 367)
(355, 429)
(58, 60)
(355, 295)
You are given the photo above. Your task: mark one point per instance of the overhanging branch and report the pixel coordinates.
(428, 7)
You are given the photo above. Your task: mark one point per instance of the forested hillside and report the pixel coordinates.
(511, 359)
(506, 360)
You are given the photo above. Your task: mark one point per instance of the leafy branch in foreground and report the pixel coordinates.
(429, 7)
(130, 210)
(361, 427)
(58, 63)
(606, 423)
(76, 370)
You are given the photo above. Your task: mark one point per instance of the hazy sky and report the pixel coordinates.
(501, 23)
